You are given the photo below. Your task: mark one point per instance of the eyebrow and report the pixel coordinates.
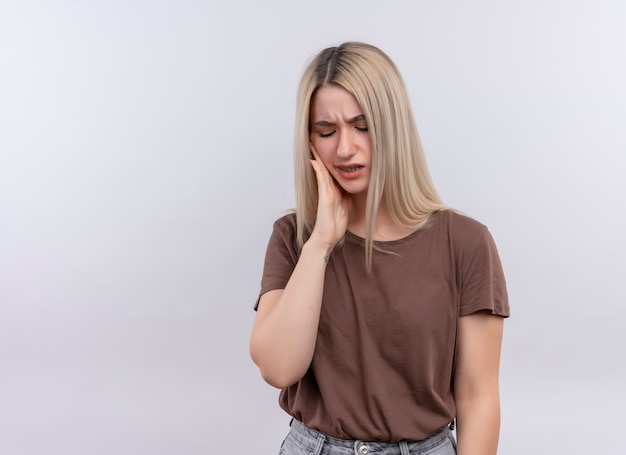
(356, 118)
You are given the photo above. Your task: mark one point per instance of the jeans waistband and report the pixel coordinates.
(323, 444)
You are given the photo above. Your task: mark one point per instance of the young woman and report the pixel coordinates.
(381, 310)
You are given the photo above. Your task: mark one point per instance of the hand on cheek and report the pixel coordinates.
(333, 204)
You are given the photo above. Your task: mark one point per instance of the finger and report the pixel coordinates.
(313, 151)
(321, 172)
(324, 172)
(317, 157)
(317, 169)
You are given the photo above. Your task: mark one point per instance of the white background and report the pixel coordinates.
(146, 149)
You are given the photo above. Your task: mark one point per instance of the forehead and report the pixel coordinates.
(332, 100)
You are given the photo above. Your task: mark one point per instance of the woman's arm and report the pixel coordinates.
(476, 389)
(285, 330)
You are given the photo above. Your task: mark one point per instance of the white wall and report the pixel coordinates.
(145, 150)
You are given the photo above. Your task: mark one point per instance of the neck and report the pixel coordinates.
(358, 202)
(384, 228)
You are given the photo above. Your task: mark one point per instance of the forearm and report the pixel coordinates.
(478, 424)
(283, 342)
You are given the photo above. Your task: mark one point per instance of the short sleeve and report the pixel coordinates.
(482, 282)
(281, 256)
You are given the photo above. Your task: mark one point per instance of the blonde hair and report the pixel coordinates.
(399, 173)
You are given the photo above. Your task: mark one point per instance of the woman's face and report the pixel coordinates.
(340, 136)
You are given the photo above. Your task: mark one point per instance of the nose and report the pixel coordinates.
(346, 146)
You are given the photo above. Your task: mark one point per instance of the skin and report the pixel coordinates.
(340, 137)
(285, 329)
(476, 389)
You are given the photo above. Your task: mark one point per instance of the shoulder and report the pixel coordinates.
(286, 223)
(284, 233)
(467, 236)
(459, 225)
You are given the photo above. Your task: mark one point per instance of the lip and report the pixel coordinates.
(350, 170)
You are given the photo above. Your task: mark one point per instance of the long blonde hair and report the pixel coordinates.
(399, 173)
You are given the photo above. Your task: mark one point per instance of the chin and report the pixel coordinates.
(354, 191)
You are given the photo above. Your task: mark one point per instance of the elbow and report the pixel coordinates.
(273, 372)
(278, 380)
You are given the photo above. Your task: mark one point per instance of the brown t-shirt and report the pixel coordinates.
(383, 363)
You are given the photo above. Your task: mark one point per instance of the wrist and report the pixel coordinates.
(319, 248)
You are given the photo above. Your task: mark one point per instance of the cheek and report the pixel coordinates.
(366, 142)
(327, 160)
(325, 149)
(366, 146)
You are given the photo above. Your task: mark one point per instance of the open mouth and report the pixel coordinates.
(351, 169)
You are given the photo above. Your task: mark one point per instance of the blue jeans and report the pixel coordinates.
(304, 441)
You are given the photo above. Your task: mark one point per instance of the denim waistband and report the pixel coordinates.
(321, 444)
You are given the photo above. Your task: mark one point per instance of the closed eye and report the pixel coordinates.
(330, 133)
